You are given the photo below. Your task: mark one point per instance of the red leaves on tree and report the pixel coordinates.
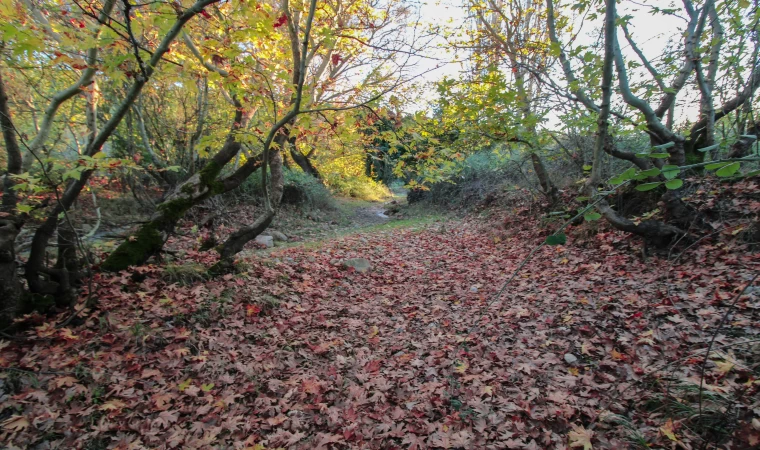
(282, 20)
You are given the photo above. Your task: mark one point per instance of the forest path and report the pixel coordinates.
(297, 350)
(350, 216)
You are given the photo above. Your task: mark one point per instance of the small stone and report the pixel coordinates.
(278, 236)
(267, 241)
(570, 358)
(359, 264)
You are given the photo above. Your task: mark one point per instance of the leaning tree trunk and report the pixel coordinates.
(151, 236)
(547, 187)
(237, 240)
(303, 161)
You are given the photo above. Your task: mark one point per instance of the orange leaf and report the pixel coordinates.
(667, 430)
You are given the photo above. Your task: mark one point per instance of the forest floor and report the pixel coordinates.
(593, 345)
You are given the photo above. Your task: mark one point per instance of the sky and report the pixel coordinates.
(651, 33)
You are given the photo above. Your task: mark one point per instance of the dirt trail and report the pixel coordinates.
(370, 215)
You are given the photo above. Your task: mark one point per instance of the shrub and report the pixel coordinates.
(478, 176)
(361, 187)
(300, 189)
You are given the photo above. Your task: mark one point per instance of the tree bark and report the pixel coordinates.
(603, 124)
(10, 223)
(303, 161)
(547, 187)
(235, 242)
(151, 237)
(741, 147)
(279, 135)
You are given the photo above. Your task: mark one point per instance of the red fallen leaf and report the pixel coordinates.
(252, 310)
(373, 366)
(274, 421)
(205, 14)
(15, 423)
(311, 386)
(616, 355)
(66, 334)
(65, 381)
(162, 401)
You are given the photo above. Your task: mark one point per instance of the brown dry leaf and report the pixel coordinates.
(581, 437)
(16, 423)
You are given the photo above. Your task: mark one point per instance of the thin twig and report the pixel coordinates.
(715, 335)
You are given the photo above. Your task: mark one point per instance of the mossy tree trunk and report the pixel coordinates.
(37, 275)
(150, 238)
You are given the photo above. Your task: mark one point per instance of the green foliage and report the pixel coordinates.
(361, 187)
(674, 184)
(592, 216)
(556, 239)
(465, 183)
(648, 186)
(310, 191)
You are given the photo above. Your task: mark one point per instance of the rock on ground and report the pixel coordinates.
(359, 264)
(268, 241)
(278, 236)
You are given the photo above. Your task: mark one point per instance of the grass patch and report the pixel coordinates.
(184, 274)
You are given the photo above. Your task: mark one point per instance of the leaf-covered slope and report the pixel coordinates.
(299, 352)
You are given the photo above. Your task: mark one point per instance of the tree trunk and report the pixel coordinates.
(67, 268)
(741, 147)
(547, 187)
(34, 266)
(658, 233)
(10, 285)
(237, 240)
(302, 160)
(151, 237)
(10, 223)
